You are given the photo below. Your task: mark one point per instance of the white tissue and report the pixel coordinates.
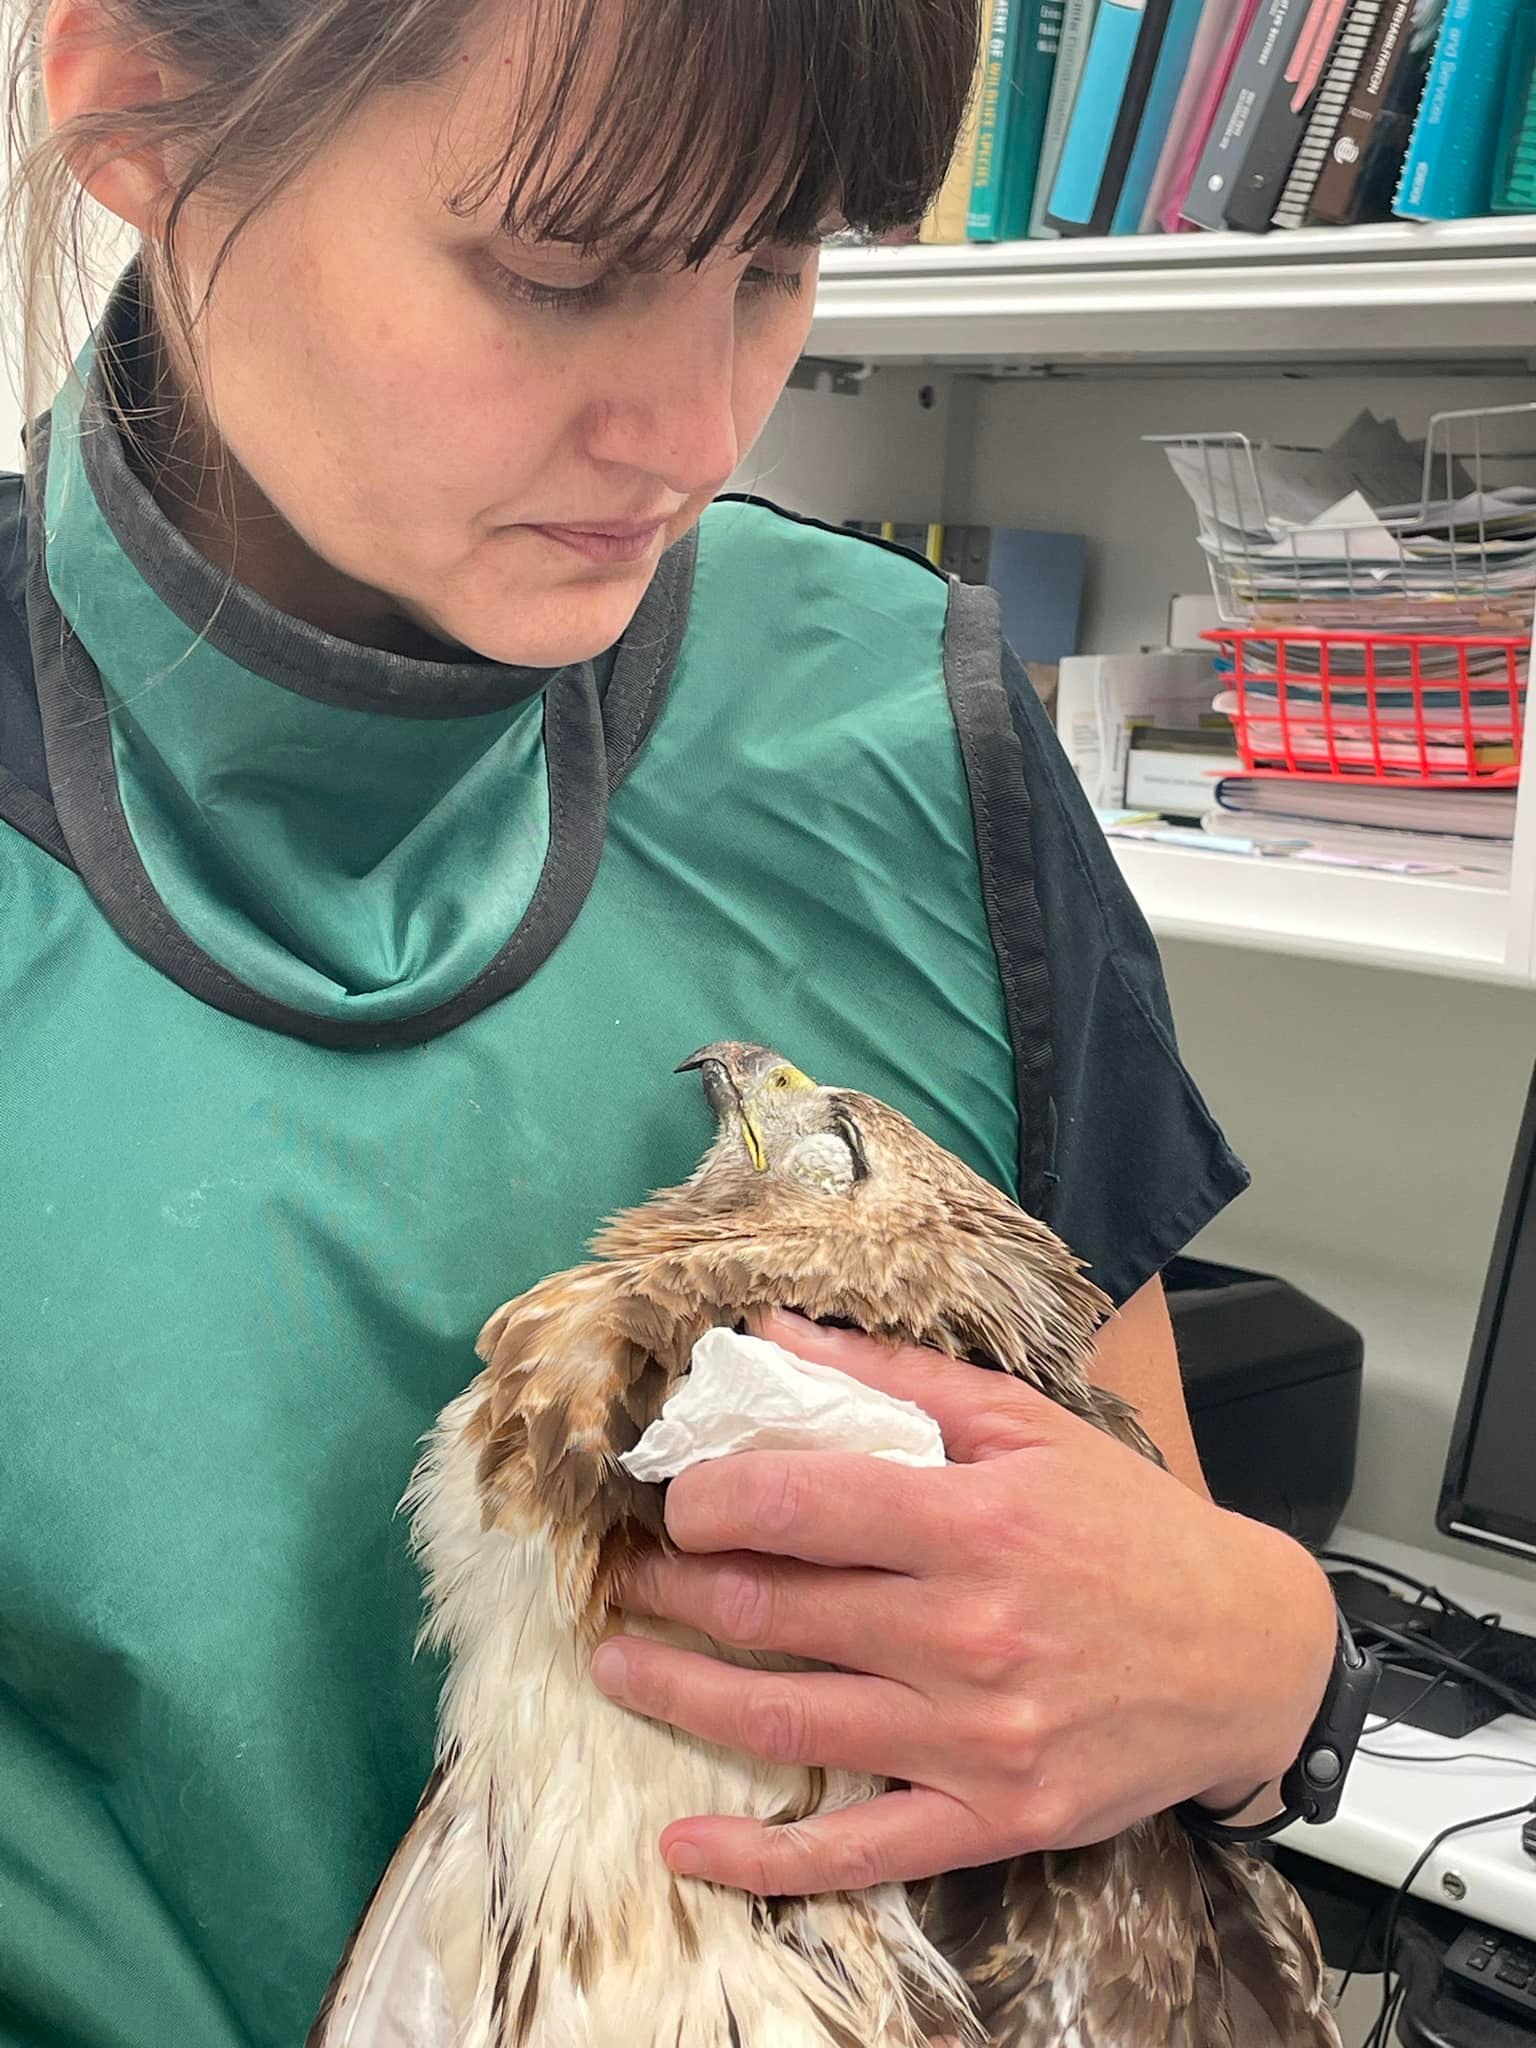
(744, 1394)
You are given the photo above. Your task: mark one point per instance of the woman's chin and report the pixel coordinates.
(546, 628)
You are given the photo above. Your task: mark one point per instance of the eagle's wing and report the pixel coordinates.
(389, 1990)
(1106, 1946)
(1269, 1951)
(1151, 1940)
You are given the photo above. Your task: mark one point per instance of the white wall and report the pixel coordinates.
(1377, 1111)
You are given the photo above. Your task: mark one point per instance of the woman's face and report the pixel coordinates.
(447, 421)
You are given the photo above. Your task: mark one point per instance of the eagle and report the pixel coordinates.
(528, 1905)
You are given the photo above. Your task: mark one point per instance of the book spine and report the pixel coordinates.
(1116, 80)
(945, 222)
(1515, 173)
(1279, 117)
(1211, 39)
(1340, 194)
(1327, 112)
(993, 122)
(1439, 83)
(1035, 69)
(1091, 131)
(1200, 118)
(1173, 60)
(1071, 53)
(1448, 170)
(1262, 58)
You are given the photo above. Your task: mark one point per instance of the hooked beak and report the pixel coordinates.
(719, 1068)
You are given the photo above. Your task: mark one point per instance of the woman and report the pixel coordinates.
(402, 764)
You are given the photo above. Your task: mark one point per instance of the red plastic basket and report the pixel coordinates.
(1406, 709)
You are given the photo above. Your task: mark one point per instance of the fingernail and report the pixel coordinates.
(608, 1669)
(685, 1859)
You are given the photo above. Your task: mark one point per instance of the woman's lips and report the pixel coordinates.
(606, 543)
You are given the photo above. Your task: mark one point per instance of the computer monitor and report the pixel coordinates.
(1488, 1494)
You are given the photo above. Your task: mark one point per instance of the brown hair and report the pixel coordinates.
(845, 106)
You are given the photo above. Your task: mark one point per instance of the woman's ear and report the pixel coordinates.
(93, 65)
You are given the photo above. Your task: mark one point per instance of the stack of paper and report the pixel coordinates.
(1370, 532)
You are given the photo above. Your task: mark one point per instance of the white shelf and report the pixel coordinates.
(1275, 906)
(1435, 293)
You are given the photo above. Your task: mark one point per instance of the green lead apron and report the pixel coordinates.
(351, 1013)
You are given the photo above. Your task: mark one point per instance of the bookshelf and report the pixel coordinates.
(1013, 381)
(1439, 295)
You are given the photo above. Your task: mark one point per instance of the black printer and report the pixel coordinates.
(1272, 1383)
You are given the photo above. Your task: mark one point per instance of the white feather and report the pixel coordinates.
(392, 1992)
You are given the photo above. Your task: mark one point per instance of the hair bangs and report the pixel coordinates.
(701, 119)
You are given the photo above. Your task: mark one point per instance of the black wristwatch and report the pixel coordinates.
(1312, 1787)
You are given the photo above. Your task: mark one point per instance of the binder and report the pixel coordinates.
(1152, 133)
(1122, 57)
(1448, 171)
(1328, 109)
(1275, 137)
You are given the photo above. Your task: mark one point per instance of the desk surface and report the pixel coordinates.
(1406, 1785)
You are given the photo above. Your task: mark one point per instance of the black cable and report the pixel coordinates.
(1389, 1571)
(1521, 1702)
(1455, 1756)
(1392, 1990)
(1412, 1707)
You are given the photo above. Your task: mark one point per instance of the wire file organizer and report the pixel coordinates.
(1462, 558)
(1389, 644)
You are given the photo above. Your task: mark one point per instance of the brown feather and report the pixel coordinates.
(1147, 1941)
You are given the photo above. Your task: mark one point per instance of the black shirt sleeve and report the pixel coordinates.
(1140, 1165)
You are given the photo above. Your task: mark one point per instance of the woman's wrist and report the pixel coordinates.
(1295, 1636)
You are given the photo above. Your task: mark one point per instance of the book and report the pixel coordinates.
(1122, 57)
(1198, 92)
(1003, 29)
(1168, 75)
(1327, 112)
(1280, 120)
(1038, 578)
(1266, 50)
(1192, 121)
(1463, 813)
(1016, 90)
(1448, 170)
(1071, 51)
(1356, 182)
(1514, 174)
(945, 219)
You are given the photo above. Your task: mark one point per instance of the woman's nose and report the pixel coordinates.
(670, 408)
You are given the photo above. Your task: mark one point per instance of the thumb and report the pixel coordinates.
(981, 1413)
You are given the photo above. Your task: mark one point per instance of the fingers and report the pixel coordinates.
(981, 1414)
(865, 1620)
(896, 1838)
(839, 1721)
(827, 1507)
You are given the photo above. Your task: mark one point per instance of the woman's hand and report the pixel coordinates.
(1046, 1640)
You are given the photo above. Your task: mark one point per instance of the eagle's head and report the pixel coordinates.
(776, 1121)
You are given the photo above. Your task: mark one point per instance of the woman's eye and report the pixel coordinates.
(581, 298)
(548, 298)
(790, 282)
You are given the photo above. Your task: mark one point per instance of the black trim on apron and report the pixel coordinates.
(993, 752)
(582, 766)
